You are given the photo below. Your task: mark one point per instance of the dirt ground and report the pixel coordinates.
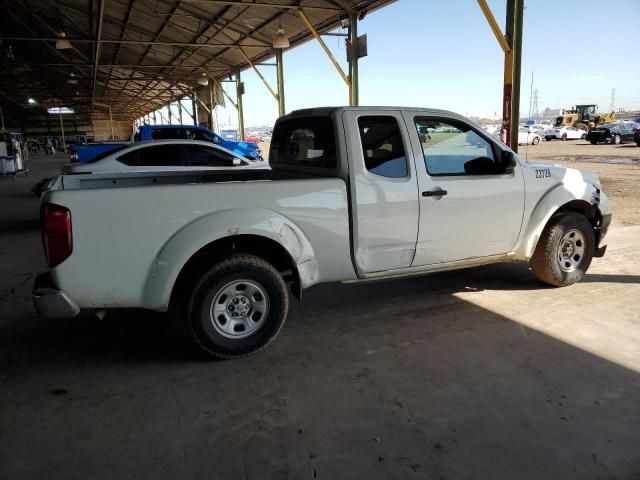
(477, 373)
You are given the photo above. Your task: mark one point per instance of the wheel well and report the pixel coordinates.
(263, 247)
(591, 212)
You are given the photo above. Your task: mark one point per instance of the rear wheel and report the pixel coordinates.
(593, 142)
(535, 141)
(564, 137)
(237, 307)
(564, 251)
(583, 137)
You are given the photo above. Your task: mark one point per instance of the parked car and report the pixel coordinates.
(83, 152)
(164, 156)
(528, 137)
(636, 137)
(539, 128)
(194, 132)
(565, 133)
(344, 202)
(615, 133)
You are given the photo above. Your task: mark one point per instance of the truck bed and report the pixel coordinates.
(141, 179)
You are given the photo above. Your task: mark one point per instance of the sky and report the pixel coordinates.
(443, 54)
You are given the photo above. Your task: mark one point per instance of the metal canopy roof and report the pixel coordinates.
(137, 55)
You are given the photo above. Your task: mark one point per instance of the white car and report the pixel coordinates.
(165, 156)
(526, 136)
(565, 133)
(354, 194)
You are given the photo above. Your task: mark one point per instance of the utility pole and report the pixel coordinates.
(536, 111)
(531, 95)
(613, 99)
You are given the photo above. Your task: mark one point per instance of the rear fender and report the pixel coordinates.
(175, 253)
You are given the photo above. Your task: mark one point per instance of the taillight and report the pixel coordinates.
(56, 233)
(74, 158)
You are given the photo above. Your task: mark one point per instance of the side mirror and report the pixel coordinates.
(508, 161)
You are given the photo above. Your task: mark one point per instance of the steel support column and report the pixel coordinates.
(239, 93)
(62, 129)
(194, 108)
(354, 94)
(280, 76)
(516, 48)
(169, 110)
(211, 104)
(180, 111)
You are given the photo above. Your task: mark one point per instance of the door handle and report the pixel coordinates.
(434, 193)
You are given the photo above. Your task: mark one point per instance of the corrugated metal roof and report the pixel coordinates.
(148, 51)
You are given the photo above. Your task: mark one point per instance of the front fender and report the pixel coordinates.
(572, 187)
(175, 253)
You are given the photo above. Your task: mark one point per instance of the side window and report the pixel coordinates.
(130, 158)
(203, 136)
(452, 148)
(382, 146)
(198, 156)
(168, 133)
(160, 156)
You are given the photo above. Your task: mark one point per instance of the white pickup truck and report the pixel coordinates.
(354, 194)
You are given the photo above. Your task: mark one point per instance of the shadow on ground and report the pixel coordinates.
(399, 379)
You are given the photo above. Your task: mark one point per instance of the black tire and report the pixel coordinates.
(545, 261)
(593, 142)
(564, 137)
(616, 140)
(638, 144)
(583, 137)
(535, 141)
(548, 139)
(198, 307)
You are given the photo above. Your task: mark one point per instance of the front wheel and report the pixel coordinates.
(583, 136)
(564, 137)
(536, 140)
(593, 142)
(237, 307)
(564, 251)
(616, 140)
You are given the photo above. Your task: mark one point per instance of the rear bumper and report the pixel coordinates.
(51, 302)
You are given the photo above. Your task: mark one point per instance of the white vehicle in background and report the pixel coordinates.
(165, 156)
(539, 128)
(526, 136)
(565, 133)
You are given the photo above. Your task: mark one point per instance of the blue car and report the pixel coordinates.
(82, 153)
(193, 132)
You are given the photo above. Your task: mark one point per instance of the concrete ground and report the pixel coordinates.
(480, 373)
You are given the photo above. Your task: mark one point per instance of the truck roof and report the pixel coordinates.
(327, 111)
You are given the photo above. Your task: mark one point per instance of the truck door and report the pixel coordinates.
(469, 207)
(384, 195)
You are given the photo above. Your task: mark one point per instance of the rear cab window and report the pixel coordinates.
(304, 142)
